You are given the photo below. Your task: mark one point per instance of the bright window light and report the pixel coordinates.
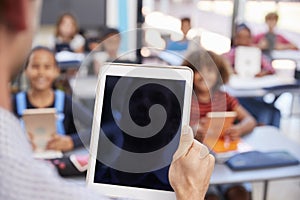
(215, 42)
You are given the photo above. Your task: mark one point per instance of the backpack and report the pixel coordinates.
(59, 103)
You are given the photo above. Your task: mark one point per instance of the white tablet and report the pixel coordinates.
(138, 115)
(247, 61)
(41, 124)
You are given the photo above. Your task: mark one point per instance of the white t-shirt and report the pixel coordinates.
(23, 177)
(77, 42)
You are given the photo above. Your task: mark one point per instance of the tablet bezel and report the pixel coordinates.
(143, 71)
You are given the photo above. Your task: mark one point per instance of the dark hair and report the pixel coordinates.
(38, 48)
(2, 8)
(271, 15)
(199, 59)
(108, 32)
(185, 19)
(60, 19)
(242, 26)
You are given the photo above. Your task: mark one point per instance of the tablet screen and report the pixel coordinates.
(139, 131)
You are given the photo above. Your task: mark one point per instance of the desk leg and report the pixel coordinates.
(266, 184)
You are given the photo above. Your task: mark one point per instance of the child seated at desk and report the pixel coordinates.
(41, 70)
(264, 113)
(243, 37)
(210, 72)
(67, 37)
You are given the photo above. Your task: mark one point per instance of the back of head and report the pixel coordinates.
(7, 15)
(108, 32)
(18, 23)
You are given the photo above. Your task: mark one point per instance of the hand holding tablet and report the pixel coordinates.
(41, 128)
(185, 177)
(138, 116)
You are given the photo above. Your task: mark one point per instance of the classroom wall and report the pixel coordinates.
(90, 13)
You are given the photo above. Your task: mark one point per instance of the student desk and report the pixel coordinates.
(258, 87)
(263, 139)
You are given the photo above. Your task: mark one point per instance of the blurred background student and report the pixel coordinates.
(243, 37)
(210, 72)
(108, 50)
(41, 70)
(264, 113)
(181, 45)
(67, 37)
(271, 39)
(186, 43)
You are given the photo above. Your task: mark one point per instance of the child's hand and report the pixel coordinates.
(31, 137)
(263, 44)
(234, 132)
(61, 143)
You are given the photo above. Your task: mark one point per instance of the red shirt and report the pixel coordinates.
(279, 38)
(221, 101)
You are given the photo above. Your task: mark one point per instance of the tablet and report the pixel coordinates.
(217, 124)
(41, 123)
(247, 61)
(138, 115)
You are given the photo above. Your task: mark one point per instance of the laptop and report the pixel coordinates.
(247, 61)
(138, 115)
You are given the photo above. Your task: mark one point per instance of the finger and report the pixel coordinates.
(199, 150)
(54, 135)
(204, 151)
(51, 144)
(186, 141)
(211, 164)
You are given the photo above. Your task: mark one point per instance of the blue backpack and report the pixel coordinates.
(59, 103)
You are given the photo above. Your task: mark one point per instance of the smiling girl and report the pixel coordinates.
(41, 69)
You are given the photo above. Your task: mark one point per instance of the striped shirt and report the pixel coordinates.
(220, 101)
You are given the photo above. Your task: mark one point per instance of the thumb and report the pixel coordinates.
(186, 141)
